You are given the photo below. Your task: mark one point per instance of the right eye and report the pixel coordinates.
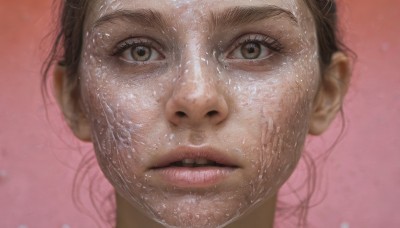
(137, 51)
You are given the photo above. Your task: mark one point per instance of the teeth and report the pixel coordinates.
(202, 161)
(188, 162)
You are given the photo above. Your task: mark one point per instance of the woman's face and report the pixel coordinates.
(198, 109)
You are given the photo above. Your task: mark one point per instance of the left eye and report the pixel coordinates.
(251, 50)
(140, 53)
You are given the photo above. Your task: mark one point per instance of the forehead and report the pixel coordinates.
(193, 11)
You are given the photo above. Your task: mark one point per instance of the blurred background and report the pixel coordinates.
(39, 157)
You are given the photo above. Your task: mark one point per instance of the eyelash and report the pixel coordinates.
(270, 43)
(131, 43)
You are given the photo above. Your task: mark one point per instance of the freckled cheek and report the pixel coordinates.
(283, 120)
(119, 123)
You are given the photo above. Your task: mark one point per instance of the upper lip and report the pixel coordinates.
(186, 152)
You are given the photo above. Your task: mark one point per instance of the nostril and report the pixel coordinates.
(181, 114)
(212, 113)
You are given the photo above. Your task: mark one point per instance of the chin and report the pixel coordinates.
(197, 211)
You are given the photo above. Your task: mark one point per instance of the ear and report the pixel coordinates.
(329, 99)
(65, 93)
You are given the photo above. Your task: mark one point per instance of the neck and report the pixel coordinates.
(260, 217)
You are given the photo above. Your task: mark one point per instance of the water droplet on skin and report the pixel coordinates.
(219, 71)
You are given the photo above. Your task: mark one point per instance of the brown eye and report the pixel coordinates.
(251, 50)
(137, 50)
(141, 53)
(257, 48)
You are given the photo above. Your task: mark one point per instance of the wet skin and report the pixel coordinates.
(237, 78)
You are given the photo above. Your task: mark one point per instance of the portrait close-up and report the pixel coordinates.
(199, 114)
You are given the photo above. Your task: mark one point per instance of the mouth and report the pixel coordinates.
(194, 163)
(194, 167)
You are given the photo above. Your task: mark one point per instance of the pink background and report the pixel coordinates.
(38, 156)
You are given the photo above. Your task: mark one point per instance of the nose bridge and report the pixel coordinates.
(196, 81)
(196, 98)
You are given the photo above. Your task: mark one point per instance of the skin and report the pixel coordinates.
(198, 89)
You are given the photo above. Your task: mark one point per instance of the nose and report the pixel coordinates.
(196, 99)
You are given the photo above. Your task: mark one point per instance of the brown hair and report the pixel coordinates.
(67, 48)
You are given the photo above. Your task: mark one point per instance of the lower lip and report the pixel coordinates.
(199, 177)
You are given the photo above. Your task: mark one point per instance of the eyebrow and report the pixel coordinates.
(246, 15)
(144, 17)
(230, 17)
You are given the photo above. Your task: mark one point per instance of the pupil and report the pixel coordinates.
(141, 53)
(251, 50)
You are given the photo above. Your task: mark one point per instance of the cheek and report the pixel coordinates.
(117, 117)
(113, 131)
(120, 136)
(277, 119)
(283, 134)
